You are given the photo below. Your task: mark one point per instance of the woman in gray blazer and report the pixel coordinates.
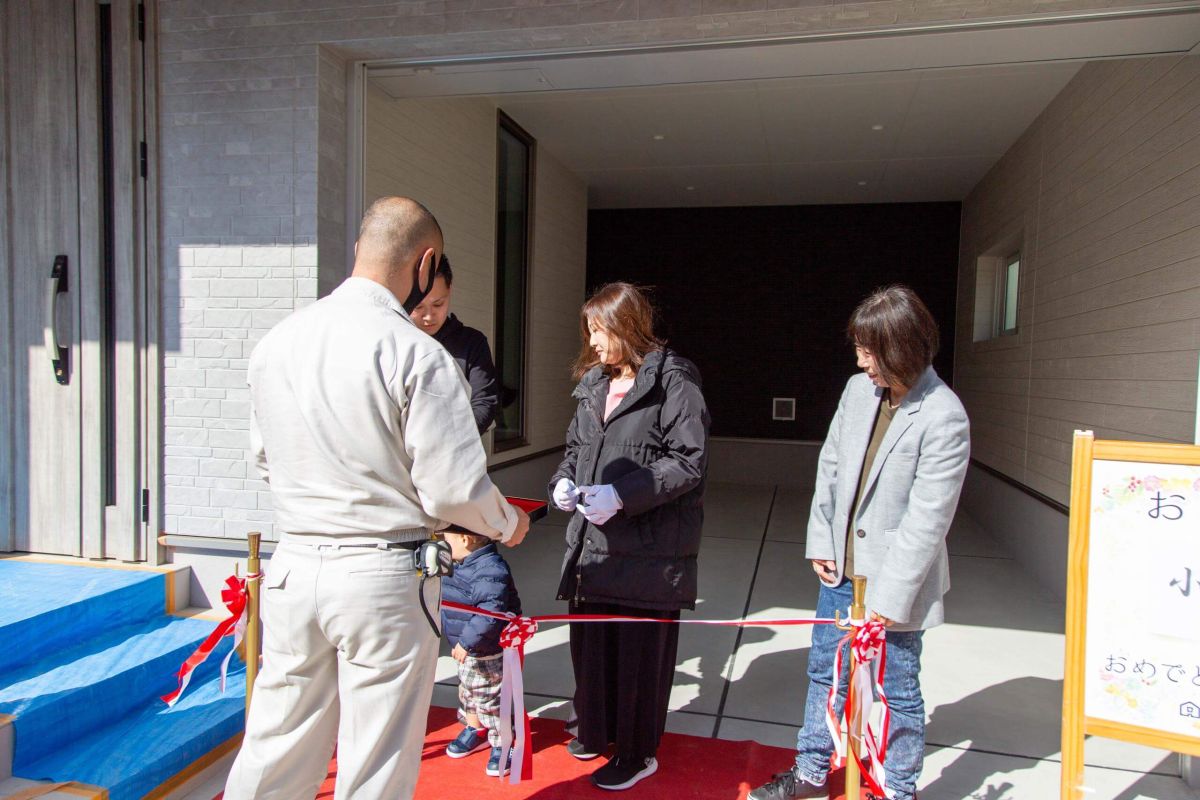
(888, 482)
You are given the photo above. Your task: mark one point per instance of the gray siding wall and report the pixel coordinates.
(1101, 195)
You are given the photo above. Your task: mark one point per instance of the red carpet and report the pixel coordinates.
(690, 768)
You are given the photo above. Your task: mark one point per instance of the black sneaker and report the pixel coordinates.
(576, 748)
(617, 774)
(787, 786)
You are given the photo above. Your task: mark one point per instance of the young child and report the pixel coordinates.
(481, 579)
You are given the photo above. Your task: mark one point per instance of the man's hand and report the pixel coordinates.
(459, 653)
(521, 529)
(826, 570)
(887, 623)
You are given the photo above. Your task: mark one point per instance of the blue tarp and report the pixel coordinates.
(85, 654)
(45, 607)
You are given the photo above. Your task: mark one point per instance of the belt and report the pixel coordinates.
(333, 543)
(412, 546)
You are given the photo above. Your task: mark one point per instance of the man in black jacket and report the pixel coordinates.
(468, 346)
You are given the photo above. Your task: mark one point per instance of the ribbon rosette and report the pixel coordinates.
(868, 640)
(512, 699)
(234, 598)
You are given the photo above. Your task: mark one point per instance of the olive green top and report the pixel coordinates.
(883, 418)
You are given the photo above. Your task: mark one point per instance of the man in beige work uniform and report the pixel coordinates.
(362, 425)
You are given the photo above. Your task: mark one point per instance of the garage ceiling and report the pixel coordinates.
(879, 138)
(895, 116)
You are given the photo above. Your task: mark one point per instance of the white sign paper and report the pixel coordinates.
(1143, 596)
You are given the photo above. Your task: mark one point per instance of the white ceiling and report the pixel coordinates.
(792, 121)
(791, 141)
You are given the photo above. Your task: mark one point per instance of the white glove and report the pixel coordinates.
(599, 503)
(566, 496)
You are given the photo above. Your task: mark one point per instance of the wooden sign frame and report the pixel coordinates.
(1075, 725)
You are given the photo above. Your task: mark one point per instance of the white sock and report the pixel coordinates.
(804, 777)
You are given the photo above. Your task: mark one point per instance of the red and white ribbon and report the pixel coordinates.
(520, 630)
(234, 597)
(512, 699)
(868, 641)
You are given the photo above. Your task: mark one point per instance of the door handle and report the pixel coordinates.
(59, 356)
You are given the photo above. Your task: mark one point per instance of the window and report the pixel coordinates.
(1006, 294)
(514, 226)
(998, 289)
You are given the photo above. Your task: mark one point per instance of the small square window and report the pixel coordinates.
(998, 289)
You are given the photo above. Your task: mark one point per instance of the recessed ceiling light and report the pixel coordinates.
(691, 188)
(862, 183)
(658, 137)
(877, 127)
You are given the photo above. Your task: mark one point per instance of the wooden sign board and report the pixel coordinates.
(1132, 667)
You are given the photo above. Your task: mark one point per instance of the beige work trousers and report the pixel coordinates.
(347, 654)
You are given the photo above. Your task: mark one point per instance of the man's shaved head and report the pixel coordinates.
(395, 232)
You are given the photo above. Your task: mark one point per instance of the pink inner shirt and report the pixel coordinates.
(617, 389)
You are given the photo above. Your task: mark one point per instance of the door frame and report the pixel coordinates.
(7, 364)
(151, 373)
(120, 530)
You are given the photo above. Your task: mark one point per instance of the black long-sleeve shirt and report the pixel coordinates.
(470, 349)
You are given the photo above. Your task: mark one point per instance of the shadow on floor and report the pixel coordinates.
(1148, 784)
(978, 776)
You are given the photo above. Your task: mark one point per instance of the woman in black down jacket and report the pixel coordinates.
(634, 472)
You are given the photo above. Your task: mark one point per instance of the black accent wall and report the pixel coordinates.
(759, 297)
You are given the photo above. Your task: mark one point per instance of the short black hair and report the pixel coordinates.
(896, 327)
(444, 271)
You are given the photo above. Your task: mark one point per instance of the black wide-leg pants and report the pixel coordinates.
(623, 675)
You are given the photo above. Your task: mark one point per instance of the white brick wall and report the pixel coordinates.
(229, 297)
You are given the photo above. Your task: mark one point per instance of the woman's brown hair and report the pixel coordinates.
(624, 312)
(895, 327)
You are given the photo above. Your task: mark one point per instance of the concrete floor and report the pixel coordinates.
(992, 675)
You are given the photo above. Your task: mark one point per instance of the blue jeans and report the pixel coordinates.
(906, 744)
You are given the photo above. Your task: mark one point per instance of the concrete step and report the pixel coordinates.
(22, 789)
(135, 755)
(89, 648)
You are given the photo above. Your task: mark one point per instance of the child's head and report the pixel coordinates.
(462, 543)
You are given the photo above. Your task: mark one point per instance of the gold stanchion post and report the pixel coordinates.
(253, 631)
(858, 610)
